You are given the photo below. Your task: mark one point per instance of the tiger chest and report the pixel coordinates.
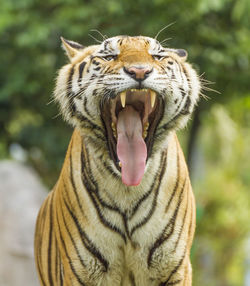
(146, 256)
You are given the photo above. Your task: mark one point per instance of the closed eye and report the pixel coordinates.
(109, 58)
(158, 57)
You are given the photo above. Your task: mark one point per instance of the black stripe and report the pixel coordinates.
(43, 214)
(94, 140)
(56, 258)
(105, 44)
(179, 235)
(141, 200)
(163, 236)
(101, 217)
(81, 68)
(58, 266)
(185, 109)
(50, 240)
(188, 80)
(68, 231)
(70, 95)
(170, 283)
(73, 181)
(87, 181)
(176, 181)
(178, 106)
(87, 242)
(132, 278)
(56, 261)
(94, 62)
(162, 168)
(39, 229)
(191, 221)
(61, 274)
(125, 222)
(146, 195)
(39, 266)
(111, 171)
(174, 282)
(186, 74)
(69, 81)
(95, 191)
(175, 270)
(100, 200)
(66, 253)
(180, 71)
(183, 93)
(85, 106)
(97, 68)
(40, 276)
(86, 120)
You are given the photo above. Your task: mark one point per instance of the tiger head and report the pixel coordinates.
(126, 95)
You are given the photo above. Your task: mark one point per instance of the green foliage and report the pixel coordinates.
(216, 34)
(222, 192)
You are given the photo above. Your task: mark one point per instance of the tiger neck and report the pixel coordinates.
(89, 171)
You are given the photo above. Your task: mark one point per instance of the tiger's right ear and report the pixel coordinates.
(71, 48)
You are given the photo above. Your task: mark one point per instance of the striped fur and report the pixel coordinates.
(92, 229)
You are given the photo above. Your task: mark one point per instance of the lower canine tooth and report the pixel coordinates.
(123, 98)
(152, 97)
(113, 129)
(146, 126)
(145, 130)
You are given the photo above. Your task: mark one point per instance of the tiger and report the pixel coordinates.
(122, 211)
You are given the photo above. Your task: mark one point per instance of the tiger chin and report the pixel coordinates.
(122, 211)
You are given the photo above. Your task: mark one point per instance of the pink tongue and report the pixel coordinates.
(131, 148)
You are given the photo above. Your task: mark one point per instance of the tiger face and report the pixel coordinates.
(126, 95)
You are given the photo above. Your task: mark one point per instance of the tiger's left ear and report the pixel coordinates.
(71, 48)
(181, 53)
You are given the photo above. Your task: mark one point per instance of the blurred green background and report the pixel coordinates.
(216, 34)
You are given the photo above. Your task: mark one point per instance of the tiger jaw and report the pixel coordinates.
(131, 119)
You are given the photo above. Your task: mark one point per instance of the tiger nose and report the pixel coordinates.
(138, 73)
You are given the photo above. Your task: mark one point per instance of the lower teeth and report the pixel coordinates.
(113, 129)
(145, 130)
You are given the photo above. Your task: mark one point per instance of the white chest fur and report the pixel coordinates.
(134, 229)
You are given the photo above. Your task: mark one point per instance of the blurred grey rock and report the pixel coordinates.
(21, 195)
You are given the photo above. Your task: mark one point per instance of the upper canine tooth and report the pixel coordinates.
(152, 97)
(123, 98)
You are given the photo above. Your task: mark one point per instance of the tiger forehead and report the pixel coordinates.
(134, 49)
(134, 42)
(134, 55)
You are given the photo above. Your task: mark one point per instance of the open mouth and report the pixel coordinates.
(131, 119)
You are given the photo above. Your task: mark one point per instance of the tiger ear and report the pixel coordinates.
(181, 53)
(71, 48)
